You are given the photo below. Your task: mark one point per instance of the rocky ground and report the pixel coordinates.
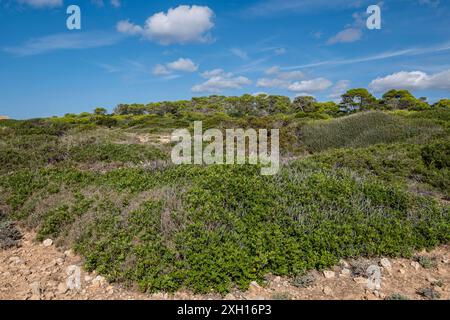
(40, 271)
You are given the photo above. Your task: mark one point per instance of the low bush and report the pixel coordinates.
(365, 129)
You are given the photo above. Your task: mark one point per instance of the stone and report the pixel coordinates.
(402, 271)
(415, 265)
(345, 272)
(230, 296)
(360, 280)
(73, 277)
(344, 264)
(35, 288)
(69, 253)
(15, 260)
(98, 281)
(47, 242)
(385, 263)
(62, 288)
(374, 277)
(329, 274)
(327, 290)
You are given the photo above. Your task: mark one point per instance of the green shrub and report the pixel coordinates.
(365, 129)
(396, 296)
(9, 235)
(426, 262)
(437, 155)
(111, 152)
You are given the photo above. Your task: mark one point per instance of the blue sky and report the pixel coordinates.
(139, 51)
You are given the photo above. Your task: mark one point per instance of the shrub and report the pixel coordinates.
(304, 281)
(9, 235)
(396, 296)
(365, 129)
(437, 155)
(426, 262)
(429, 293)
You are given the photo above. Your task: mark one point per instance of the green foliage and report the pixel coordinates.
(402, 99)
(111, 152)
(358, 100)
(426, 262)
(437, 155)
(396, 297)
(9, 235)
(429, 293)
(139, 220)
(365, 129)
(304, 281)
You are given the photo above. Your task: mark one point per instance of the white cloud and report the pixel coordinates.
(183, 64)
(345, 36)
(160, 70)
(42, 3)
(219, 81)
(431, 3)
(101, 3)
(414, 80)
(182, 24)
(115, 3)
(339, 88)
(214, 73)
(239, 53)
(309, 86)
(279, 78)
(127, 27)
(63, 41)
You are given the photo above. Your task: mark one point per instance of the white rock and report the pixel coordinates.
(47, 242)
(98, 281)
(345, 272)
(73, 278)
(385, 263)
(374, 277)
(360, 280)
(415, 265)
(344, 264)
(62, 288)
(327, 290)
(35, 288)
(329, 274)
(15, 260)
(69, 253)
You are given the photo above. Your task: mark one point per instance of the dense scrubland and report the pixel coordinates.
(365, 177)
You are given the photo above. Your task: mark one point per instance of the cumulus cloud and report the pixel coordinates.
(310, 86)
(129, 28)
(414, 80)
(182, 65)
(161, 70)
(345, 36)
(42, 3)
(339, 89)
(279, 79)
(183, 24)
(218, 80)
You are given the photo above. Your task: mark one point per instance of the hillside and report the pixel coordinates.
(366, 181)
